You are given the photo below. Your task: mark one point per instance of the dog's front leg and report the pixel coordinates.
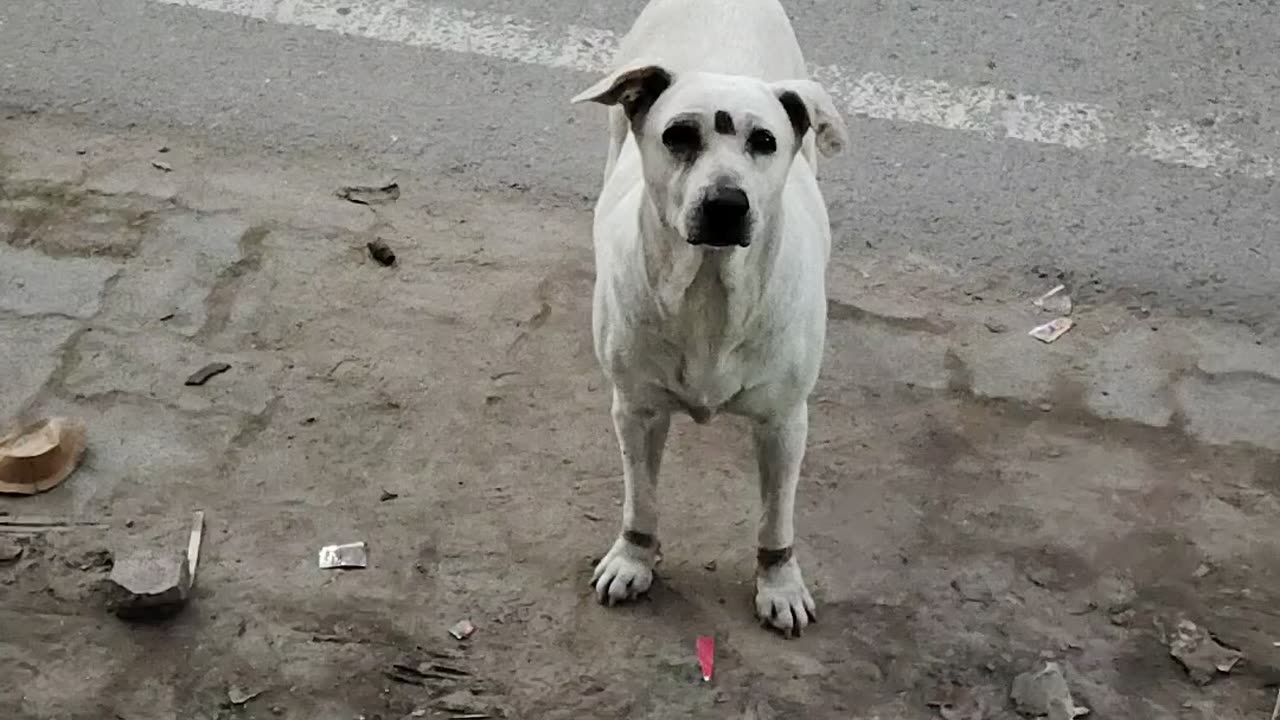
(782, 600)
(627, 570)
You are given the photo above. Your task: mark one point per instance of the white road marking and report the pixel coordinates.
(987, 111)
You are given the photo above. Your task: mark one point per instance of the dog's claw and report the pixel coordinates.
(625, 573)
(782, 600)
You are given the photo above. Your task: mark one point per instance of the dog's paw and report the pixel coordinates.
(625, 572)
(782, 600)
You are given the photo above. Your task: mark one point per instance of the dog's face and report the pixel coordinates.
(717, 149)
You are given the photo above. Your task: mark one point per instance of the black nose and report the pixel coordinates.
(726, 204)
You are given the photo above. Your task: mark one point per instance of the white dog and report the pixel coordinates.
(711, 245)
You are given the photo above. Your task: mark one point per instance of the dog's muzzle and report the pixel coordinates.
(723, 219)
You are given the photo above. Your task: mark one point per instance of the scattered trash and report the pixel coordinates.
(1200, 654)
(1045, 693)
(240, 696)
(382, 252)
(148, 584)
(996, 327)
(161, 165)
(10, 550)
(344, 557)
(1056, 301)
(1052, 330)
(202, 376)
(387, 496)
(370, 194)
(193, 542)
(462, 630)
(38, 456)
(706, 647)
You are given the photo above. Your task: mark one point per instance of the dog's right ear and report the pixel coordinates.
(635, 86)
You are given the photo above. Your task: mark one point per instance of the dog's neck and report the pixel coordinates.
(674, 267)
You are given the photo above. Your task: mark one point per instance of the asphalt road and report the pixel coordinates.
(1134, 145)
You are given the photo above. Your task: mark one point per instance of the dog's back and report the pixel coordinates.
(751, 37)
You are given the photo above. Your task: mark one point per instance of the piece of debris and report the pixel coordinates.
(1056, 301)
(162, 149)
(1052, 330)
(709, 566)
(10, 550)
(996, 327)
(202, 376)
(1045, 693)
(1200, 653)
(419, 674)
(706, 648)
(370, 194)
(1201, 571)
(240, 696)
(34, 525)
(380, 251)
(387, 496)
(462, 630)
(38, 456)
(193, 543)
(344, 557)
(592, 516)
(161, 165)
(1275, 711)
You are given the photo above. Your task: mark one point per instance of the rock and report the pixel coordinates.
(380, 251)
(10, 550)
(1200, 654)
(149, 585)
(1045, 694)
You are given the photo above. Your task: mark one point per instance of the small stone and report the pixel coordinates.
(380, 251)
(240, 696)
(149, 584)
(709, 566)
(203, 375)
(996, 327)
(1046, 407)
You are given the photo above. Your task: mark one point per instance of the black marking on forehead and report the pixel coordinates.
(724, 123)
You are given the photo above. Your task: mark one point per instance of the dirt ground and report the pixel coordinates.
(974, 503)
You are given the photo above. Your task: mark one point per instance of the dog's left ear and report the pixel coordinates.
(635, 86)
(809, 106)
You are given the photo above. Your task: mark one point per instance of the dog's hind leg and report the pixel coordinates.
(782, 600)
(627, 570)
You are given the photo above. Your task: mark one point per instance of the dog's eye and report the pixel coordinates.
(761, 142)
(682, 139)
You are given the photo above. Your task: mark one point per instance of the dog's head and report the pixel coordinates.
(717, 149)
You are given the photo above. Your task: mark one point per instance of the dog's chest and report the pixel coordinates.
(706, 361)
